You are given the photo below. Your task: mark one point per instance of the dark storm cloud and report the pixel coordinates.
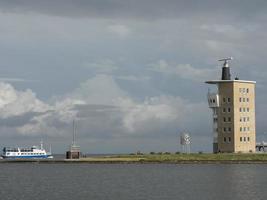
(151, 9)
(17, 121)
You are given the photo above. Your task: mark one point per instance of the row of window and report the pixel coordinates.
(243, 99)
(244, 129)
(227, 129)
(32, 153)
(228, 100)
(227, 139)
(227, 119)
(244, 90)
(244, 139)
(212, 101)
(228, 110)
(243, 109)
(244, 119)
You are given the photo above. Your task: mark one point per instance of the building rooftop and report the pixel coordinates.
(227, 81)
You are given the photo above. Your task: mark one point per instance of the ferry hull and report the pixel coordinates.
(23, 157)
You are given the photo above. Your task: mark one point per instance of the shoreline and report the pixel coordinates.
(154, 159)
(135, 162)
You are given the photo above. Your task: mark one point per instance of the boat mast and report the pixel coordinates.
(41, 143)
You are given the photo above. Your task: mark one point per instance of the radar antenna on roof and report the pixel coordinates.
(225, 64)
(226, 69)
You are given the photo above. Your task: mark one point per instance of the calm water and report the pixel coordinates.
(132, 182)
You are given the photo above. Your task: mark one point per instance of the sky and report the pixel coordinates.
(130, 72)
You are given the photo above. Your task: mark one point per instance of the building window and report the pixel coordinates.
(240, 139)
(229, 100)
(229, 119)
(247, 109)
(244, 119)
(247, 99)
(245, 128)
(240, 99)
(224, 119)
(244, 109)
(248, 128)
(224, 110)
(213, 100)
(240, 90)
(245, 139)
(229, 129)
(248, 139)
(229, 139)
(224, 129)
(244, 90)
(240, 119)
(240, 109)
(240, 129)
(224, 139)
(244, 99)
(247, 90)
(229, 109)
(224, 100)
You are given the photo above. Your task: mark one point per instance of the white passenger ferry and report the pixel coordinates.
(33, 152)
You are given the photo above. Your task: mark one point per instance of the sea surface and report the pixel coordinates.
(30, 181)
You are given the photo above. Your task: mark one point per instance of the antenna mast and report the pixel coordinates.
(226, 69)
(73, 134)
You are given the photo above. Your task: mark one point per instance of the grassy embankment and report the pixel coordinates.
(178, 158)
